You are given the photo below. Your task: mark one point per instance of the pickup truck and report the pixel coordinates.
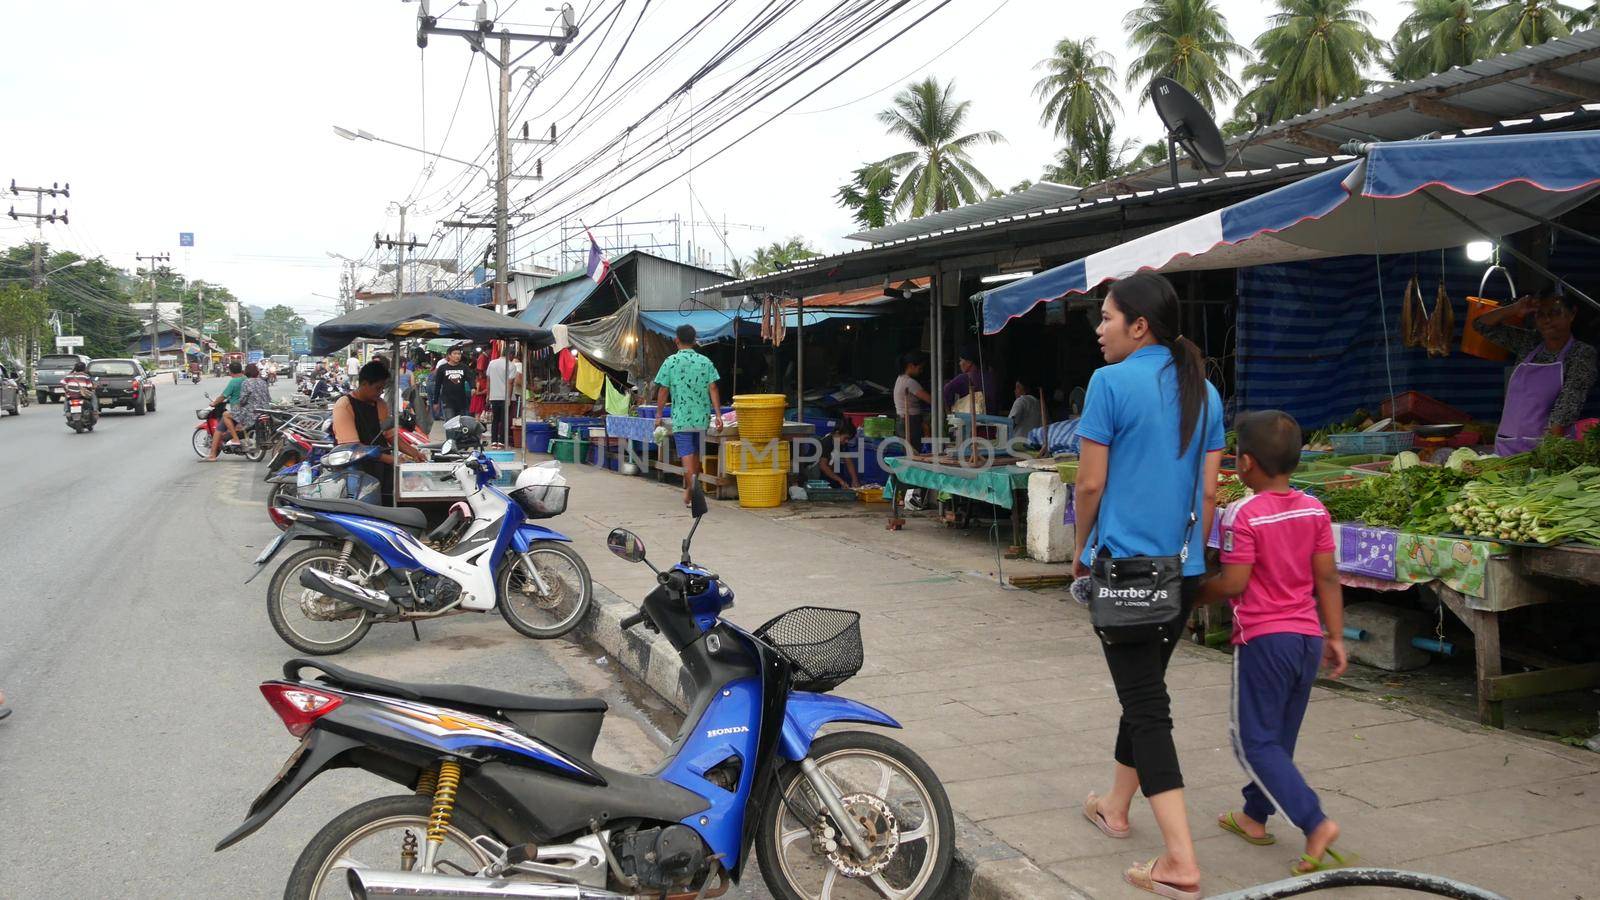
(49, 371)
(123, 382)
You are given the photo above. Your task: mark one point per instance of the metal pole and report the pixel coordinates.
(38, 276)
(936, 385)
(502, 171)
(394, 411)
(800, 360)
(400, 258)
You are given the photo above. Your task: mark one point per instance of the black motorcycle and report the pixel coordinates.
(81, 408)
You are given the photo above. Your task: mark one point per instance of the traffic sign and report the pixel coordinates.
(299, 345)
(255, 356)
(185, 239)
(69, 341)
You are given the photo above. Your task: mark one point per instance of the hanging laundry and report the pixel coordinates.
(616, 400)
(590, 380)
(567, 364)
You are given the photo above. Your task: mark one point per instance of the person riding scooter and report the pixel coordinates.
(80, 385)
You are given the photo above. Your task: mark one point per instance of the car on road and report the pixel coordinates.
(10, 390)
(305, 367)
(49, 371)
(124, 383)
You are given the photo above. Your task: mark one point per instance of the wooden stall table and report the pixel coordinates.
(712, 460)
(1002, 485)
(539, 410)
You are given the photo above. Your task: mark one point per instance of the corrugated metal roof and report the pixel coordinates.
(1553, 76)
(870, 296)
(1043, 195)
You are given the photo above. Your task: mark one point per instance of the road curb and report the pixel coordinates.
(984, 867)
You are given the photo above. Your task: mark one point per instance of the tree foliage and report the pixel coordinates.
(1312, 54)
(869, 195)
(1078, 91)
(937, 173)
(779, 255)
(1523, 23)
(1439, 35)
(278, 324)
(1187, 41)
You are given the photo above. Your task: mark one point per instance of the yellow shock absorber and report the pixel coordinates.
(426, 782)
(444, 800)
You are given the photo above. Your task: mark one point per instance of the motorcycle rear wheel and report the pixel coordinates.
(254, 450)
(535, 614)
(285, 594)
(379, 826)
(866, 768)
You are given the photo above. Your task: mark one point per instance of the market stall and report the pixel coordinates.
(1001, 485)
(1484, 536)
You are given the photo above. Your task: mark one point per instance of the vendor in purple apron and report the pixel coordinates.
(1553, 373)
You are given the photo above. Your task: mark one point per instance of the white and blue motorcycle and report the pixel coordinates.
(368, 564)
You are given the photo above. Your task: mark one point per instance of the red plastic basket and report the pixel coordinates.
(1415, 407)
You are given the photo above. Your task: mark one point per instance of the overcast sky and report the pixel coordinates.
(217, 118)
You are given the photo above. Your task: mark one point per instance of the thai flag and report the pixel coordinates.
(599, 267)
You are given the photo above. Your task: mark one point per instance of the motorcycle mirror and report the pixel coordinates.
(625, 545)
(697, 502)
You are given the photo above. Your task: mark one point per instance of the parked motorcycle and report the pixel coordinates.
(507, 801)
(382, 565)
(80, 407)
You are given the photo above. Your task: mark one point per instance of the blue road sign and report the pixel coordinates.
(185, 239)
(299, 345)
(254, 356)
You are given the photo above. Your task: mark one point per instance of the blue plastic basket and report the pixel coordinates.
(1371, 442)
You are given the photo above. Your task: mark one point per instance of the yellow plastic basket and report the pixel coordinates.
(755, 456)
(762, 490)
(760, 416)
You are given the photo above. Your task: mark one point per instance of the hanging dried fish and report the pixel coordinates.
(1441, 324)
(1413, 319)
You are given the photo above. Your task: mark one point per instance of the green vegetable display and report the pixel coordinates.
(1414, 499)
(1545, 510)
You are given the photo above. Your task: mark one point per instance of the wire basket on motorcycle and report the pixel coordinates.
(822, 644)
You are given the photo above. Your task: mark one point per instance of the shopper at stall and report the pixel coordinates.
(970, 379)
(689, 382)
(505, 382)
(911, 399)
(836, 464)
(1151, 445)
(1553, 376)
(450, 386)
(1025, 412)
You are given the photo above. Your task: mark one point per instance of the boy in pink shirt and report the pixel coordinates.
(1279, 574)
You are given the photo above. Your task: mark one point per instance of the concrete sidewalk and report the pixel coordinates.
(1006, 695)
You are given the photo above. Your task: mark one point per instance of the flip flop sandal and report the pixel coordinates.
(1318, 865)
(1227, 823)
(1142, 877)
(1092, 812)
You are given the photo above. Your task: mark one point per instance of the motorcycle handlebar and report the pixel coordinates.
(633, 620)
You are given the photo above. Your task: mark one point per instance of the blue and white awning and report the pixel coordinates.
(1380, 204)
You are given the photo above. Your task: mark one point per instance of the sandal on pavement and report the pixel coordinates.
(1091, 811)
(1226, 823)
(1308, 864)
(1142, 877)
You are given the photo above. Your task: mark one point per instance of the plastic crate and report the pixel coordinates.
(536, 437)
(1417, 407)
(567, 425)
(568, 450)
(1371, 442)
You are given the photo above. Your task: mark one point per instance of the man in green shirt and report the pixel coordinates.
(690, 380)
(231, 394)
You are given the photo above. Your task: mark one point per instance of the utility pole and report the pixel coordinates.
(39, 217)
(426, 25)
(150, 274)
(400, 245)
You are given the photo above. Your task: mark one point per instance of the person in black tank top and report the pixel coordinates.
(359, 417)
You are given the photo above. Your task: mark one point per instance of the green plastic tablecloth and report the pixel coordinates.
(991, 485)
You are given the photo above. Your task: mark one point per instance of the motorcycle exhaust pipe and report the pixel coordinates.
(366, 883)
(348, 591)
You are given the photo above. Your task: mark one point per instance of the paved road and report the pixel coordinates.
(131, 652)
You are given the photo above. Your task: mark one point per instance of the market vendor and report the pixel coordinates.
(1554, 371)
(971, 378)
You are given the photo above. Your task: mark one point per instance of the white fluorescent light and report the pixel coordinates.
(1004, 276)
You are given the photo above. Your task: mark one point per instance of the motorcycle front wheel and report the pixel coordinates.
(201, 441)
(388, 834)
(894, 798)
(311, 622)
(556, 607)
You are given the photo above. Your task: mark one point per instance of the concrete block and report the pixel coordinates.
(1050, 539)
(1389, 632)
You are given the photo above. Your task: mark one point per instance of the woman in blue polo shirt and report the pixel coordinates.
(1149, 417)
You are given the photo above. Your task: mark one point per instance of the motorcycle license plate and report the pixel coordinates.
(271, 549)
(288, 766)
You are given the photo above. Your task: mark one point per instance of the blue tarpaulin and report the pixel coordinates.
(717, 325)
(551, 305)
(1383, 203)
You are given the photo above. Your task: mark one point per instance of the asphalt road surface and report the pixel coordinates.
(131, 651)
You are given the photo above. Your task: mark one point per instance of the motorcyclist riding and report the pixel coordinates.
(81, 382)
(231, 394)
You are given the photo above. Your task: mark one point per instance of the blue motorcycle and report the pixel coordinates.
(507, 800)
(368, 563)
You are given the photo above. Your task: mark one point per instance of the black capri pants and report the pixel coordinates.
(1144, 733)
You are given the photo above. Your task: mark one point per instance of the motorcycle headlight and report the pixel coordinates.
(339, 458)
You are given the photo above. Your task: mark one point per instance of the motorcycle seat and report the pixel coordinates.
(404, 516)
(450, 694)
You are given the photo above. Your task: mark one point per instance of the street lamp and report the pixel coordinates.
(364, 135)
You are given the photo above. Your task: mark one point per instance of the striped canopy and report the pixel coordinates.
(1383, 203)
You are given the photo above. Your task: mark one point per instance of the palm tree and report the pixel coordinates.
(938, 174)
(738, 268)
(1187, 41)
(780, 255)
(1102, 158)
(1311, 55)
(1523, 23)
(1437, 36)
(868, 195)
(1077, 94)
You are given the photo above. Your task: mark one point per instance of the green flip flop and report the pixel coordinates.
(1227, 823)
(1319, 865)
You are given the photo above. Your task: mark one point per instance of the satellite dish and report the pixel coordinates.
(1188, 126)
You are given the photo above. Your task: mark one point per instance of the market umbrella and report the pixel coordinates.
(421, 317)
(1402, 197)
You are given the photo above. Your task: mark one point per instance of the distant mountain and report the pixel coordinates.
(256, 312)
